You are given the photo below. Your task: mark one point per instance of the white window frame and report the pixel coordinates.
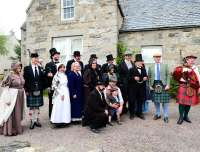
(65, 56)
(65, 7)
(148, 56)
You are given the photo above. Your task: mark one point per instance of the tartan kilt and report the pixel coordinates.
(163, 97)
(34, 101)
(184, 99)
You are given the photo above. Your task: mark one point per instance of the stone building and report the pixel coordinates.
(96, 26)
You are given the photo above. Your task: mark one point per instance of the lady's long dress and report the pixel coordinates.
(13, 125)
(61, 112)
(75, 87)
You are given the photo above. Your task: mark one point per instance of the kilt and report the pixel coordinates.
(33, 101)
(184, 99)
(163, 97)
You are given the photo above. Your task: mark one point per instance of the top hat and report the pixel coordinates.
(76, 53)
(109, 57)
(34, 55)
(93, 56)
(138, 58)
(53, 51)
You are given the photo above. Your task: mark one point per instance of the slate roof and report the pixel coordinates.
(157, 14)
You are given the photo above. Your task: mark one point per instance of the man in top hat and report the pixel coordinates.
(96, 109)
(123, 70)
(34, 86)
(137, 87)
(159, 82)
(110, 60)
(93, 56)
(77, 58)
(50, 71)
(188, 77)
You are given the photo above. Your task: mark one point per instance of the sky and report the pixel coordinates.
(12, 15)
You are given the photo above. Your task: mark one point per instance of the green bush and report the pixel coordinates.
(121, 48)
(173, 88)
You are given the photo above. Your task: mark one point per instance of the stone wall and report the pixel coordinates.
(174, 42)
(97, 21)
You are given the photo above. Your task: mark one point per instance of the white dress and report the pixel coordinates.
(61, 112)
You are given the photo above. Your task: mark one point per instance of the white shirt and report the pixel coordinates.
(33, 68)
(129, 64)
(156, 70)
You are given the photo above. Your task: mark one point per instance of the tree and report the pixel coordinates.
(18, 51)
(121, 48)
(3, 49)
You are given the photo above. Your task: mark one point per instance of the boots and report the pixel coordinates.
(181, 113)
(186, 118)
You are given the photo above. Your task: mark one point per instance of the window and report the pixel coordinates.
(67, 9)
(148, 52)
(67, 45)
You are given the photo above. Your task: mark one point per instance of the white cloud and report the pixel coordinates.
(12, 15)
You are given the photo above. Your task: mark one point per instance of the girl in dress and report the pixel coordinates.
(61, 113)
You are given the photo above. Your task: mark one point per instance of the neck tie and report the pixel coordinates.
(158, 72)
(36, 72)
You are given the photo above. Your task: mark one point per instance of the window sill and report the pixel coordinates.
(68, 21)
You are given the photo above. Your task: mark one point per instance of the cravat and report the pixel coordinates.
(36, 72)
(158, 72)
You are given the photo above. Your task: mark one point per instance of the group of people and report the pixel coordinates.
(96, 95)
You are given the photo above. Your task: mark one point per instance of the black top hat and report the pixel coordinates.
(34, 55)
(109, 57)
(77, 53)
(93, 56)
(138, 57)
(53, 51)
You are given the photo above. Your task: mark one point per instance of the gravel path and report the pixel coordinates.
(133, 136)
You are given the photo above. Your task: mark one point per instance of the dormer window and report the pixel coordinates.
(67, 9)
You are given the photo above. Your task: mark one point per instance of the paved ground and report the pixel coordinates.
(133, 136)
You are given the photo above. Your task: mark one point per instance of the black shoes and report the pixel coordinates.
(96, 131)
(180, 121)
(38, 124)
(119, 122)
(110, 124)
(187, 119)
(141, 116)
(166, 119)
(156, 117)
(32, 126)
